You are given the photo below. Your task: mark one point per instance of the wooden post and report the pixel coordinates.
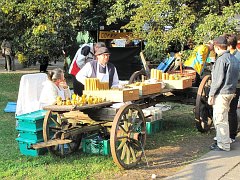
(181, 69)
(147, 70)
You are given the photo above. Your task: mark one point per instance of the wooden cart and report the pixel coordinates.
(203, 111)
(64, 127)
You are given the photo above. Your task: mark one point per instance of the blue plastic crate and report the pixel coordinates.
(25, 144)
(92, 145)
(11, 107)
(154, 126)
(165, 64)
(32, 121)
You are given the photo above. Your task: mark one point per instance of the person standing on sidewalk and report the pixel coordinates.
(222, 90)
(232, 114)
(7, 53)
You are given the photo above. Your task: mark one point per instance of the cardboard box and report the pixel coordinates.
(178, 84)
(118, 95)
(153, 113)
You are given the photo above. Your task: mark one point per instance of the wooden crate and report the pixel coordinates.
(178, 84)
(149, 89)
(190, 73)
(122, 95)
(154, 88)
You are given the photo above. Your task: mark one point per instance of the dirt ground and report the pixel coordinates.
(166, 161)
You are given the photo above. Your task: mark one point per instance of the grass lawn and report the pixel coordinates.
(178, 125)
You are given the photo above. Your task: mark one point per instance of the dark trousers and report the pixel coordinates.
(8, 62)
(197, 80)
(77, 86)
(232, 115)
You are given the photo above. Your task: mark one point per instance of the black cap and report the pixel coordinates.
(102, 50)
(220, 40)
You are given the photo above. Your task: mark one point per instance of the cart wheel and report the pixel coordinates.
(128, 136)
(203, 111)
(137, 76)
(52, 129)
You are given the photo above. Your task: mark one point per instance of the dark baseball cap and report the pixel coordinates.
(220, 40)
(102, 50)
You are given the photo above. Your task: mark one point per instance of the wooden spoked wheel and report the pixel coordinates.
(128, 136)
(137, 76)
(53, 127)
(203, 111)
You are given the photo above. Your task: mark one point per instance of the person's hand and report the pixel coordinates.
(63, 84)
(210, 100)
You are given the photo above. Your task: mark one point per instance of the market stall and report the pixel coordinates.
(116, 113)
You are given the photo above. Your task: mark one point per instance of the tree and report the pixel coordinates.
(197, 21)
(41, 28)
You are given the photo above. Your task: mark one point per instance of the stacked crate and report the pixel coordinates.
(95, 144)
(154, 122)
(30, 129)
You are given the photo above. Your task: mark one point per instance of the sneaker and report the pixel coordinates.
(232, 140)
(214, 147)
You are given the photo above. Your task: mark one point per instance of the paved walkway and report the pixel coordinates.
(32, 69)
(214, 165)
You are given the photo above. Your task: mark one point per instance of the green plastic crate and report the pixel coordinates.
(92, 145)
(25, 144)
(29, 134)
(32, 121)
(154, 126)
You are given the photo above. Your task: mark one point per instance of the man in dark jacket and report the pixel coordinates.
(223, 87)
(232, 114)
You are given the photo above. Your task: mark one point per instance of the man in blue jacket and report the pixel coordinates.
(222, 91)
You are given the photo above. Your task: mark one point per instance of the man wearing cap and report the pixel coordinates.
(223, 87)
(100, 68)
(84, 54)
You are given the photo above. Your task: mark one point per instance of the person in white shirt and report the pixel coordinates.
(100, 68)
(52, 88)
(84, 54)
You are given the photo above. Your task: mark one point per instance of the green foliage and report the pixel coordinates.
(42, 27)
(196, 21)
(215, 25)
(92, 17)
